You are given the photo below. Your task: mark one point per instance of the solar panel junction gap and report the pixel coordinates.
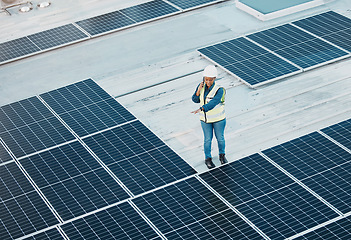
(282, 51)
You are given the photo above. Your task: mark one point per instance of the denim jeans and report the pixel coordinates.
(218, 129)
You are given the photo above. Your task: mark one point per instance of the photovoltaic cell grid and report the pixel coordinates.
(248, 61)
(22, 210)
(138, 157)
(4, 155)
(86, 108)
(340, 132)
(183, 4)
(188, 210)
(298, 46)
(28, 126)
(267, 197)
(290, 43)
(331, 26)
(72, 180)
(16, 48)
(117, 222)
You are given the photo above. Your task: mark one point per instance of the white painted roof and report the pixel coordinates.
(153, 70)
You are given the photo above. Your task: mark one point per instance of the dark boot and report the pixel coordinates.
(209, 163)
(222, 158)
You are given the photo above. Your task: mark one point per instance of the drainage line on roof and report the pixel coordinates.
(160, 83)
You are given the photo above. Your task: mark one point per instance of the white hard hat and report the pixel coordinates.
(210, 71)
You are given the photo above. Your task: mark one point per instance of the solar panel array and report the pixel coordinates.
(95, 26)
(282, 51)
(121, 181)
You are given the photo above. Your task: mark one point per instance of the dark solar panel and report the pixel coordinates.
(340, 230)
(52, 234)
(4, 155)
(57, 36)
(138, 157)
(118, 222)
(334, 186)
(105, 23)
(246, 60)
(28, 126)
(19, 47)
(86, 108)
(246, 179)
(184, 4)
(331, 26)
(149, 10)
(340, 132)
(286, 212)
(308, 155)
(297, 46)
(22, 210)
(72, 180)
(188, 210)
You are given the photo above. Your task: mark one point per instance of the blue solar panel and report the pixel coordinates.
(4, 155)
(28, 126)
(308, 155)
(86, 108)
(286, 212)
(297, 46)
(334, 186)
(57, 36)
(340, 132)
(138, 157)
(149, 10)
(188, 210)
(72, 180)
(52, 234)
(331, 26)
(19, 47)
(184, 4)
(118, 222)
(246, 179)
(22, 209)
(246, 60)
(340, 230)
(105, 23)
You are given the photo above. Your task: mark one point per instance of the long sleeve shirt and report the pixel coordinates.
(213, 102)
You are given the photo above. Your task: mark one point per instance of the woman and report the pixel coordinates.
(211, 97)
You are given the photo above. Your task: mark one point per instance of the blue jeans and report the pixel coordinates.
(218, 129)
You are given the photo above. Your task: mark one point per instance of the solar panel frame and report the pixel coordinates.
(51, 234)
(4, 154)
(189, 5)
(57, 37)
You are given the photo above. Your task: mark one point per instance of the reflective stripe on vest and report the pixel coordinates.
(217, 113)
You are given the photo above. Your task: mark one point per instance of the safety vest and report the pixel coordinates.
(217, 113)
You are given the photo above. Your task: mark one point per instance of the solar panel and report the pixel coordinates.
(297, 46)
(117, 222)
(191, 4)
(249, 62)
(340, 230)
(188, 210)
(28, 126)
(72, 180)
(340, 132)
(52, 234)
(86, 108)
(286, 211)
(105, 23)
(22, 210)
(331, 26)
(149, 10)
(57, 36)
(4, 155)
(308, 155)
(16, 48)
(246, 179)
(138, 157)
